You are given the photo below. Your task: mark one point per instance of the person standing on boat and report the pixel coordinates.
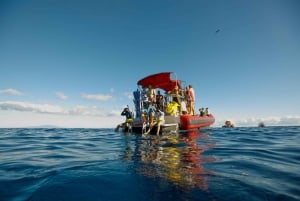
(183, 107)
(129, 118)
(159, 100)
(145, 100)
(191, 99)
(151, 94)
(176, 94)
(186, 98)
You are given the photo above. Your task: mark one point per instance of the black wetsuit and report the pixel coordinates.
(127, 113)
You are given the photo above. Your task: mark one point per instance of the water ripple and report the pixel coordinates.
(99, 164)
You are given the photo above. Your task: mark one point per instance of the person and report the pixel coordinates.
(159, 100)
(191, 99)
(207, 113)
(228, 124)
(186, 98)
(129, 118)
(175, 94)
(159, 120)
(186, 93)
(151, 114)
(202, 112)
(151, 94)
(144, 116)
(183, 108)
(145, 99)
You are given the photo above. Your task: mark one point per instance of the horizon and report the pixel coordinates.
(57, 127)
(251, 122)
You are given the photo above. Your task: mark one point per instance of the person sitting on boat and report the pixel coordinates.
(144, 116)
(159, 100)
(159, 120)
(129, 118)
(202, 112)
(207, 113)
(151, 113)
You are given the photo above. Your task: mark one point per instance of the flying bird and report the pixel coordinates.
(217, 31)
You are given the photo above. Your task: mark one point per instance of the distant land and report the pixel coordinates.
(44, 126)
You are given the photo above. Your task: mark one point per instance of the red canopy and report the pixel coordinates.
(159, 80)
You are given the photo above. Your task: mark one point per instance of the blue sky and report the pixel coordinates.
(75, 63)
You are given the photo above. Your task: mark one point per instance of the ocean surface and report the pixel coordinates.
(100, 164)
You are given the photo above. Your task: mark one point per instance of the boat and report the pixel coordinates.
(228, 124)
(174, 121)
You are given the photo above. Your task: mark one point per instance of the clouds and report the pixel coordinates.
(82, 109)
(289, 120)
(11, 92)
(128, 95)
(78, 110)
(75, 112)
(31, 107)
(25, 114)
(61, 96)
(16, 119)
(97, 97)
(17, 113)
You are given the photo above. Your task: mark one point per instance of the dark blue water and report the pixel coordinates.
(99, 164)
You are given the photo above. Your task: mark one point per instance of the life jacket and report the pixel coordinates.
(172, 108)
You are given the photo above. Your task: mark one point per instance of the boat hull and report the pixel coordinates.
(139, 127)
(173, 124)
(188, 122)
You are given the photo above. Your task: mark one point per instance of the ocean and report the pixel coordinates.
(249, 163)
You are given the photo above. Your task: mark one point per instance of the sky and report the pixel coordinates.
(75, 63)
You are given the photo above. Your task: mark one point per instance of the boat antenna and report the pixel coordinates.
(176, 79)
